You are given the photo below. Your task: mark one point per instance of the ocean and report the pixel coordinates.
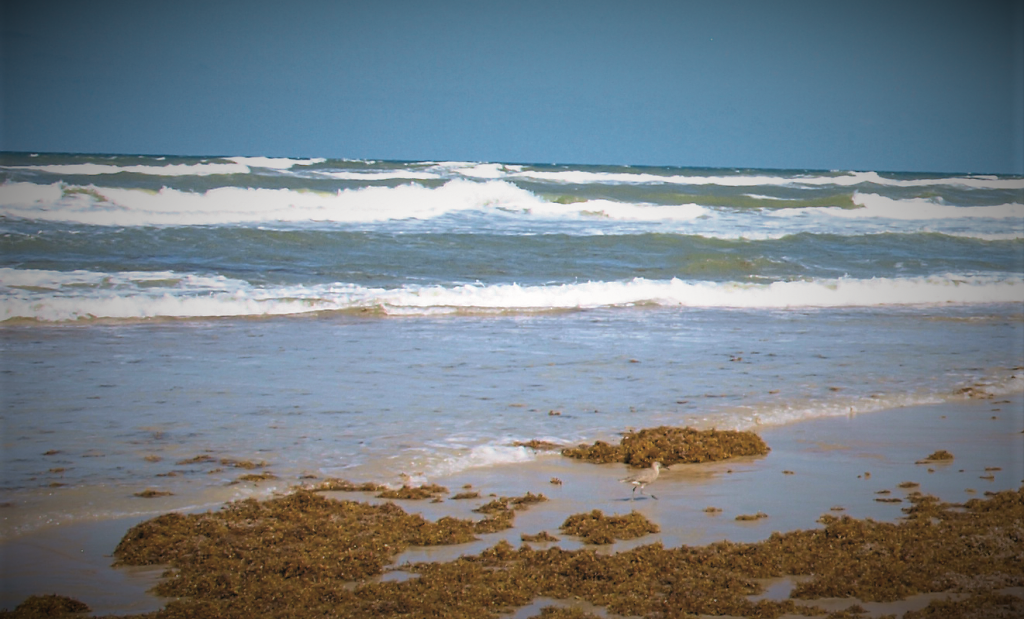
(165, 320)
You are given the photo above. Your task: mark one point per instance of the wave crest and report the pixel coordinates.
(53, 296)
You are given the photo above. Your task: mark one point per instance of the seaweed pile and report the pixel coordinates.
(299, 555)
(596, 528)
(406, 492)
(939, 456)
(48, 606)
(670, 445)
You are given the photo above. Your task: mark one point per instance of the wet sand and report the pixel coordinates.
(841, 466)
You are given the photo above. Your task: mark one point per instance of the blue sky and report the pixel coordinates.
(890, 86)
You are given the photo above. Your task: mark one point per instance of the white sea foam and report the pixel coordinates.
(113, 206)
(181, 169)
(499, 200)
(848, 179)
(497, 171)
(54, 296)
(479, 170)
(752, 417)
(494, 454)
(378, 175)
(621, 211)
(880, 207)
(239, 165)
(842, 292)
(274, 163)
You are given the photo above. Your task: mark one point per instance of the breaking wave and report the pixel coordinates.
(55, 296)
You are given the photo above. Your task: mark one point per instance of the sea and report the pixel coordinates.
(167, 321)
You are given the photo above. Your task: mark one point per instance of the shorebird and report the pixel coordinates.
(642, 478)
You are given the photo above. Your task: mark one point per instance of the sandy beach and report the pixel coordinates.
(861, 466)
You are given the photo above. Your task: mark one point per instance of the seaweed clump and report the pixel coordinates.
(242, 464)
(509, 504)
(543, 536)
(751, 517)
(256, 477)
(150, 493)
(47, 606)
(939, 456)
(295, 548)
(538, 445)
(596, 528)
(670, 445)
(425, 491)
(343, 485)
(988, 605)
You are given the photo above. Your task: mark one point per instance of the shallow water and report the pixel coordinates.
(96, 414)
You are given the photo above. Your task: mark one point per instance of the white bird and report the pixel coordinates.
(642, 478)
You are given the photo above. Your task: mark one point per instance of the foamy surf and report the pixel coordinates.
(848, 179)
(440, 464)
(880, 207)
(494, 207)
(114, 206)
(52, 296)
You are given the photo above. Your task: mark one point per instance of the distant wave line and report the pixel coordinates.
(500, 200)
(482, 171)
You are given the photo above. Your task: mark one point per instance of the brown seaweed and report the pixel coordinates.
(242, 464)
(425, 491)
(543, 536)
(343, 485)
(670, 445)
(294, 556)
(538, 445)
(750, 517)
(47, 606)
(938, 456)
(257, 477)
(596, 528)
(200, 459)
(150, 493)
(507, 504)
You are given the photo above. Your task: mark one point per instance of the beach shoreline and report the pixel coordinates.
(861, 466)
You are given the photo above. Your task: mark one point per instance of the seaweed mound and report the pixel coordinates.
(596, 528)
(537, 445)
(250, 546)
(543, 536)
(938, 456)
(425, 491)
(343, 485)
(670, 445)
(49, 606)
(509, 504)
